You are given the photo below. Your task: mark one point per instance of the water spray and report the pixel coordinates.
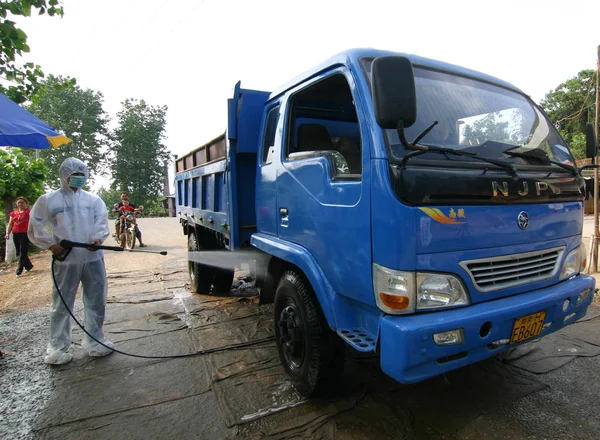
(68, 245)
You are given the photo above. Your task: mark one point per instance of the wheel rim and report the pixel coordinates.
(291, 336)
(191, 248)
(191, 271)
(129, 238)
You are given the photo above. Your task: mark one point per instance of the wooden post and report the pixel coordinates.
(594, 263)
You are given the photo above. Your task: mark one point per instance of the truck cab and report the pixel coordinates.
(412, 208)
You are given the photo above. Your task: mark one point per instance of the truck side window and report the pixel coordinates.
(268, 147)
(323, 122)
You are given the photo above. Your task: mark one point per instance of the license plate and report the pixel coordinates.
(527, 327)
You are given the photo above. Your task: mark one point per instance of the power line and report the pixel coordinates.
(148, 21)
(583, 107)
(82, 43)
(187, 16)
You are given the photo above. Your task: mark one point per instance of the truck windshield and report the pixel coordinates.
(478, 117)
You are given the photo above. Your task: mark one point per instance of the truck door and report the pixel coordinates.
(266, 194)
(323, 193)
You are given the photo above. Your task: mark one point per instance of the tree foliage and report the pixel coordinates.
(138, 165)
(78, 113)
(22, 79)
(155, 207)
(571, 105)
(489, 127)
(509, 127)
(109, 196)
(20, 176)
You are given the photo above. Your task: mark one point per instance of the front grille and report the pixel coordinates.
(490, 274)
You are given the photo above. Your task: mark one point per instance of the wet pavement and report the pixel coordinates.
(236, 387)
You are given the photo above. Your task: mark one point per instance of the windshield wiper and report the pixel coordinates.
(422, 149)
(542, 159)
(500, 163)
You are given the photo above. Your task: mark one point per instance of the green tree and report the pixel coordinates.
(491, 126)
(23, 79)
(20, 176)
(109, 196)
(78, 113)
(571, 105)
(155, 207)
(138, 165)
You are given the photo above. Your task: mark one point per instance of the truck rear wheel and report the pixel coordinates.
(312, 355)
(201, 276)
(223, 280)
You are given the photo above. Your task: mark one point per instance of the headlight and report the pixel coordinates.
(575, 262)
(129, 217)
(439, 290)
(398, 292)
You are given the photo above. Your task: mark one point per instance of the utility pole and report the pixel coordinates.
(594, 262)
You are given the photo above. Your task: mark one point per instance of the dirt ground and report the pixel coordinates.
(34, 289)
(30, 290)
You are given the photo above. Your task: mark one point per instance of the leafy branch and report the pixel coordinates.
(20, 81)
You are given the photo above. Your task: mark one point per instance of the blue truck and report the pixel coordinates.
(396, 204)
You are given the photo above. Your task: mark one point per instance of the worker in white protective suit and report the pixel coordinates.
(73, 214)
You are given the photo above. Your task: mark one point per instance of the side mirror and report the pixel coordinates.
(394, 95)
(591, 143)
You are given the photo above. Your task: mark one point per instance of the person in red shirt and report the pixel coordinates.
(18, 224)
(123, 208)
(126, 207)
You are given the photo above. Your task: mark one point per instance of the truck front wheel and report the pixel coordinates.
(312, 355)
(201, 276)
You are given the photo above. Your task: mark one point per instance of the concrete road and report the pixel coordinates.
(236, 388)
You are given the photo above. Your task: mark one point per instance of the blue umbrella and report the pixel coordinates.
(19, 128)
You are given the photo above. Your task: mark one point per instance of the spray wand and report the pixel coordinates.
(68, 245)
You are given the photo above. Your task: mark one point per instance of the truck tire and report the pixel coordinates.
(311, 354)
(201, 276)
(223, 280)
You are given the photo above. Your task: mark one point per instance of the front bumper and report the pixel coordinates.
(409, 354)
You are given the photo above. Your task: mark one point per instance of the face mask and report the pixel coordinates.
(77, 181)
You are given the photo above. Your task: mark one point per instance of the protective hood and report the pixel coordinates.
(70, 166)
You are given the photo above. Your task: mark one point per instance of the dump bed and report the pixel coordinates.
(215, 182)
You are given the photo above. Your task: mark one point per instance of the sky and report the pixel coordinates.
(188, 54)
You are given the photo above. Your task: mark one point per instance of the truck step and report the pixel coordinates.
(358, 339)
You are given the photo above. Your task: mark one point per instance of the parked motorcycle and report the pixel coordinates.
(128, 227)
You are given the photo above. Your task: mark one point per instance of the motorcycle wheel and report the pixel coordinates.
(130, 239)
(123, 240)
(133, 240)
